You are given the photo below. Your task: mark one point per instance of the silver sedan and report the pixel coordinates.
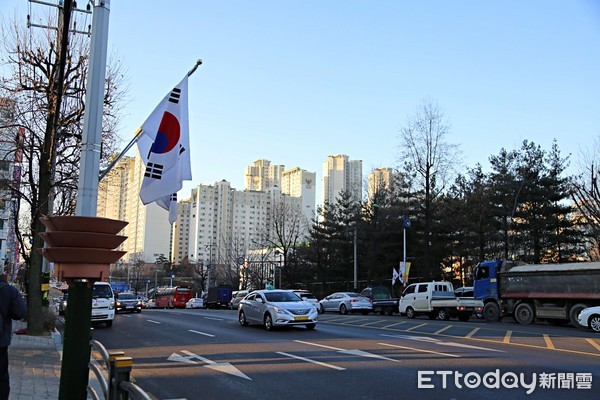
(273, 308)
(345, 302)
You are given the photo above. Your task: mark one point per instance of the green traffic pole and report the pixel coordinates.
(76, 342)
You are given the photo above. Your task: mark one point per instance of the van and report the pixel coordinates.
(103, 303)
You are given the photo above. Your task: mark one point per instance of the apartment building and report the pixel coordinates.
(10, 178)
(341, 173)
(148, 231)
(224, 223)
(379, 179)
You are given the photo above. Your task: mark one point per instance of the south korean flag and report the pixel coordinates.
(165, 149)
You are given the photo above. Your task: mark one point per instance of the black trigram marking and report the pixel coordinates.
(181, 149)
(173, 197)
(154, 171)
(175, 95)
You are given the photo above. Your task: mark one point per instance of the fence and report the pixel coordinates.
(117, 368)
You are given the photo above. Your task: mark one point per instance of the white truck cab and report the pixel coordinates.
(103, 303)
(436, 300)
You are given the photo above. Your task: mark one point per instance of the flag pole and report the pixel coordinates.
(137, 135)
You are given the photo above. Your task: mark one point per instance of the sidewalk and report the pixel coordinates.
(34, 366)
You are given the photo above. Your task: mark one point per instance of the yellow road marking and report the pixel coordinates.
(443, 329)
(485, 340)
(474, 331)
(594, 343)
(370, 323)
(397, 323)
(549, 343)
(415, 327)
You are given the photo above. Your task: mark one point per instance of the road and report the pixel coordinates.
(206, 354)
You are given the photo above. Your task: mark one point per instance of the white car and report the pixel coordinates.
(309, 298)
(590, 317)
(274, 308)
(195, 302)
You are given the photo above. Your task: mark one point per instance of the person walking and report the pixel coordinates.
(12, 306)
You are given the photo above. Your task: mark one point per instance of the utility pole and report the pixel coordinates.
(355, 261)
(76, 349)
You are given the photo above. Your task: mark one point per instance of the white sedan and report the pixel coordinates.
(590, 317)
(195, 302)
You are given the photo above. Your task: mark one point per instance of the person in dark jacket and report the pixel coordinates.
(12, 306)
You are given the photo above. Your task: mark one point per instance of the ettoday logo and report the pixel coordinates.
(503, 380)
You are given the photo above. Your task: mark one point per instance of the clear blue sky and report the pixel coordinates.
(296, 81)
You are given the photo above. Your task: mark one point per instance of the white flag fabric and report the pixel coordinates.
(164, 146)
(395, 276)
(170, 204)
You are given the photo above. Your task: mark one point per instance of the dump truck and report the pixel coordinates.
(555, 293)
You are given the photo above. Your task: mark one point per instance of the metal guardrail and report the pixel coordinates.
(116, 385)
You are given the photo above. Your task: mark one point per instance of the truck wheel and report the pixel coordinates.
(524, 314)
(442, 314)
(410, 313)
(594, 323)
(574, 313)
(491, 312)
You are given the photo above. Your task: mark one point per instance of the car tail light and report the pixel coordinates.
(353, 301)
(479, 308)
(461, 308)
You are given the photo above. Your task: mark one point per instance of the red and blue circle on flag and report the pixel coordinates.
(168, 134)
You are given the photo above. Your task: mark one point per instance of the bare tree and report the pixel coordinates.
(49, 140)
(426, 152)
(289, 227)
(586, 195)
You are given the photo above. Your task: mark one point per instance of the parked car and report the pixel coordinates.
(309, 298)
(274, 308)
(128, 302)
(345, 302)
(195, 302)
(151, 303)
(237, 296)
(590, 317)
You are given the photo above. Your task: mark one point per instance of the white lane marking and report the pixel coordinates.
(350, 352)
(421, 350)
(318, 345)
(368, 355)
(312, 361)
(154, 322)
(214, 319)
(440, 343)
(201, 333)
(221, 367)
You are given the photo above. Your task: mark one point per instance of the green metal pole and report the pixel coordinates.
(76, 343)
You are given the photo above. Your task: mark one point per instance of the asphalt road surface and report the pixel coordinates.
(206, 354)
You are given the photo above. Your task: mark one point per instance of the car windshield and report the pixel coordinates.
(279, 297)
(126, 296)
(102, 292)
